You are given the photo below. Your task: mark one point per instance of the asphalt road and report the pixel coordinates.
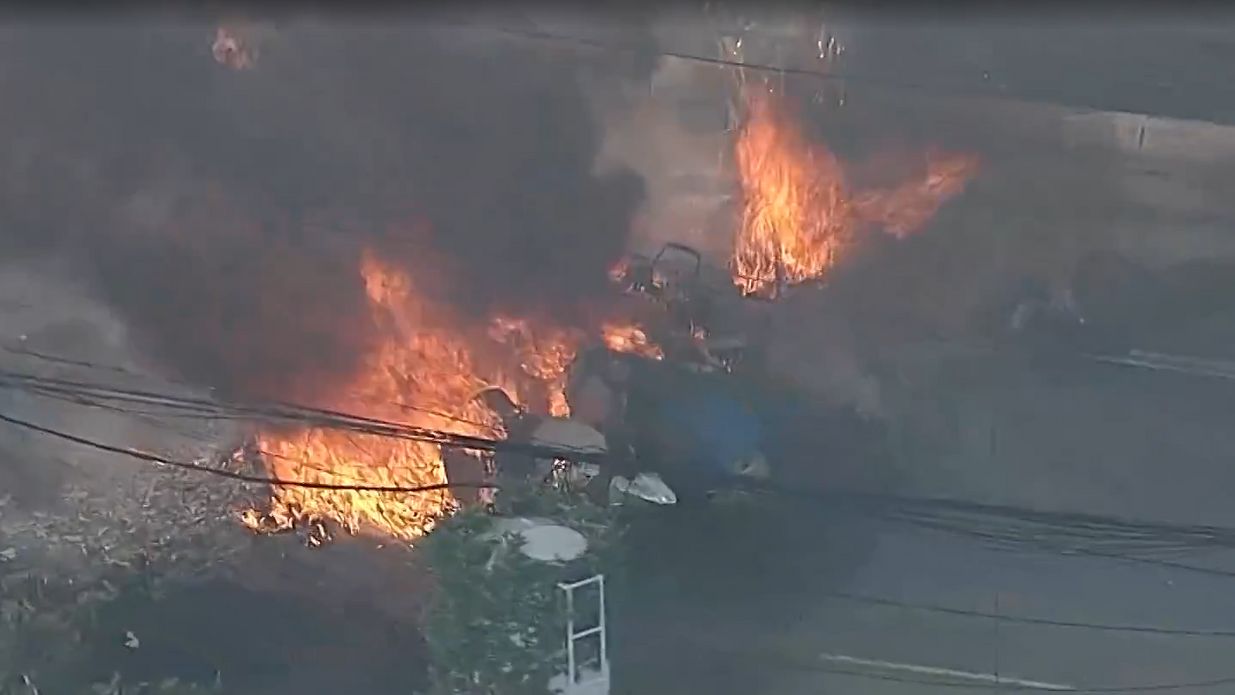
(749, 649)
(1163, 63)
(751, 610)
(942, 571)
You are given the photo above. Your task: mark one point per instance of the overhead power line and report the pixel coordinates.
(610, 46)
(284, 414)
(1012, 687)
(1071, 532)
(937, 678)
(874, 600)
(1027, 620)
(230, 475)
(1003, 527)
(205, 470)
(24, 351)
(615, 47)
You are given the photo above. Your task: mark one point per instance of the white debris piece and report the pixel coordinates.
(542, 539)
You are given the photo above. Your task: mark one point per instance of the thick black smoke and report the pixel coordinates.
(223, 212)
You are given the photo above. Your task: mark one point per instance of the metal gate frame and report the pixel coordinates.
(573, 684)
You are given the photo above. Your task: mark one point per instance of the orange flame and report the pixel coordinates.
(426, 372)
(903, 210)
(627, 337)
(423, 374)
(796, 216)
(543, 355)
(799, 215)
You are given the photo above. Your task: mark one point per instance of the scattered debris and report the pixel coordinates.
(169, 518)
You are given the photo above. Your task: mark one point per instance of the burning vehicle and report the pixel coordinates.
(705, 321)
(660, 430)
(691, 426)
(608, 473)
(695, 427)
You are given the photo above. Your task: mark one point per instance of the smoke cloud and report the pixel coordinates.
(223, 212)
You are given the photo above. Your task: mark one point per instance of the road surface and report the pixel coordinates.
(748, 649)
(753, 612)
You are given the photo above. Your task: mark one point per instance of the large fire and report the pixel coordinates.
(423, 373)
(799, 212)
(426, 372)
(799, 217)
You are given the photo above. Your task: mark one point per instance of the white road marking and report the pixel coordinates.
(946, 672)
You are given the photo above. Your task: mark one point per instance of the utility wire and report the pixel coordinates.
(836, 77)
(998, 530)
(1069, 530)
(24, 351)
(287, 413)
(1165, 564)
(613, 47)
(152, 458)
(58, 359)
(859, 598)
(1027, 620)
(1011, 687)
(1036, 526)
(230, 475)
(1002, 526)
(153, 418)
(779, 659)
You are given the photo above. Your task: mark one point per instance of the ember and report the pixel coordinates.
(799, 213)
(231, 50)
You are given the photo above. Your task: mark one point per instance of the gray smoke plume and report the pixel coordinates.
(223, 212)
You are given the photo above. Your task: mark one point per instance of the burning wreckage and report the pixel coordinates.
(658, 416)
(650, 406)
(649, 398)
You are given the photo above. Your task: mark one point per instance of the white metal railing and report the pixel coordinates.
(599, 683)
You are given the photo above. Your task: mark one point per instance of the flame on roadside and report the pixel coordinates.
(799, 213)
(425, 372)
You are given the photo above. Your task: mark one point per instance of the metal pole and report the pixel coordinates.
(997, 621)
(570, 635)
(604, 638)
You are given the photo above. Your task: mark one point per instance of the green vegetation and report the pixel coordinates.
(48, 633)
(495, 624)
